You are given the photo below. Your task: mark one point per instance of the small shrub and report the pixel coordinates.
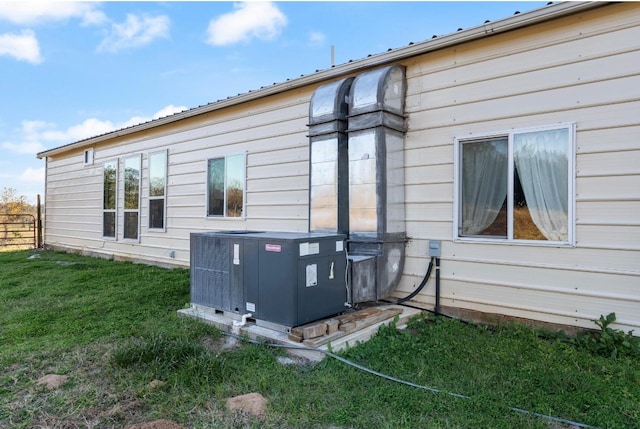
(608, 341)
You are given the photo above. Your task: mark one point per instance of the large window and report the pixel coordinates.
(131, 197)
(225, 186)
(157, 189)
(516, 186)
(109, 198)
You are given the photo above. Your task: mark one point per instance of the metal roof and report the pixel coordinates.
(488, 28)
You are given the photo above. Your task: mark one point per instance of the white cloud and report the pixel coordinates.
(35, 12)
(23, 46)
(36, 136)
(33, 175)
(29, 138)
(25, 147)
(262, 20)
(168, 110)
(165, 111)
(89, 128)
(316, 38)
(135, 31)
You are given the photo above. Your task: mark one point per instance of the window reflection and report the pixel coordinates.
(225, 186)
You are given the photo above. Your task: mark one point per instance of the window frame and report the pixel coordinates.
(156, 197)
(244, 187)
(510, 136)
(115, 209)
(126, 210)
(88, 157)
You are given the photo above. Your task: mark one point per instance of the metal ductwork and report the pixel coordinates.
(328, 170)
(356, 132)
(377, 233)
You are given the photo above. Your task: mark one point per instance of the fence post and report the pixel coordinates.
(39, 223)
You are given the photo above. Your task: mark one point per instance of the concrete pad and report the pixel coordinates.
(280, 337)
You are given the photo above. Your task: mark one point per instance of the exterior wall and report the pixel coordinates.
(582, 68)
(273, 134)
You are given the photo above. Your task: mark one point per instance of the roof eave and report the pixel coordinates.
(489, 28)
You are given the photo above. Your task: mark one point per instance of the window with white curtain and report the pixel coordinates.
(516, 186)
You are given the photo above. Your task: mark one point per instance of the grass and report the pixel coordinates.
(113, 328)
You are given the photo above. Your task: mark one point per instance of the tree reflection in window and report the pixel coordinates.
(157, 185)
(225, 186)
(109, 198)
(131, 197)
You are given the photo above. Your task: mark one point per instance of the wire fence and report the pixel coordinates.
(18, 231)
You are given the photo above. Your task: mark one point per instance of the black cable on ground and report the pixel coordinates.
(398, 380)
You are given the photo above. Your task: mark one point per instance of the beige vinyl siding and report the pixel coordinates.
(584, 70)
(272, 133)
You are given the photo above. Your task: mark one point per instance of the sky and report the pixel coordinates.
(73, 70)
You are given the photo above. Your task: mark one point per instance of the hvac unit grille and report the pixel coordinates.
(210, 272)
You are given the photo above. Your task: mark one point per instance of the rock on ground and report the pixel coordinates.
(251, 403)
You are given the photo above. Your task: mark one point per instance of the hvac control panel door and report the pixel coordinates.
(321, 287)
(276, 282)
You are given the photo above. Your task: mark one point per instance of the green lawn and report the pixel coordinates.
(113, 328)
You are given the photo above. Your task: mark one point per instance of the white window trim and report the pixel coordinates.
(88, 157)
(458, 140)
(164, 197)
(244, 188)
(115, 211)
(124, 194)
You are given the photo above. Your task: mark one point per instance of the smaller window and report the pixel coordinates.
(131, 197)
(88, 157)
(109, 198)
(225, 186)
(157, 189)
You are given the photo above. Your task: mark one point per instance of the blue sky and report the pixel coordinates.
(69, 71)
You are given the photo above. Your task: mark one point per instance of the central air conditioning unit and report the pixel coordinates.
(284, 279)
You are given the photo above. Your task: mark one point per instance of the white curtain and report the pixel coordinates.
(484, 183)
(542, 163)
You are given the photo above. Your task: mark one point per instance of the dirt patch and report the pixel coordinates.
(158, 424)
(221, 344)
(52, 381)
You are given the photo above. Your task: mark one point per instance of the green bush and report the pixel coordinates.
(608, 341)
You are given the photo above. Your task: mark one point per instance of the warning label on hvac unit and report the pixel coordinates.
(273, 248)
(312, 275)
(307, 249)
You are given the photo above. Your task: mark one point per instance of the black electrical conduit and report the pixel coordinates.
(423, 283)
(398, 380)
